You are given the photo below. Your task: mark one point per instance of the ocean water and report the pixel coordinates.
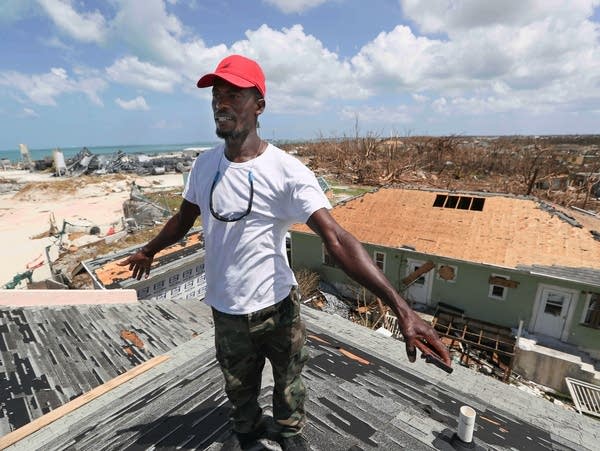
(14, 155)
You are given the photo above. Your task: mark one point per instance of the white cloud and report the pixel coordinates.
(137, 104)
(295, 6)
(301, 83)
(14, 10)
(397, 60)
(378, 115)
(440, 105)
(169, 43)
(493, 57)
(538, 61)
(149, 31)
(449, 16)
(132, 71)
(91, 87)
(45, 88)
(28, 112)
(485, 57)
(85, 27)
(308, 79)
(55, 42)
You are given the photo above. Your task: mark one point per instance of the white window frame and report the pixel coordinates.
(437, 273)
(375, 253)
(491, 294)
(586, 306)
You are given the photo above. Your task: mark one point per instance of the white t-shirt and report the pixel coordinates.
(246, 263)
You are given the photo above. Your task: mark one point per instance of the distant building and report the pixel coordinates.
(581, 179)
(177, 271)
(497, 258)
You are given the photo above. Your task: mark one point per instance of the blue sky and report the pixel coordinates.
(85, 73)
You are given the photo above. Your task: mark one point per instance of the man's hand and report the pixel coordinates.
(139, 263)
(357, 263)
(418, 334)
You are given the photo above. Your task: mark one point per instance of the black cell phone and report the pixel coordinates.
(432, 358)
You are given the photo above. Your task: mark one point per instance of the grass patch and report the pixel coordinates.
(170, 199)
(350, 191)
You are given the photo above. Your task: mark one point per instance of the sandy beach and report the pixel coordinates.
(31, 199)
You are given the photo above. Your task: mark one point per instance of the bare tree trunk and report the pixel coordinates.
(532, 181)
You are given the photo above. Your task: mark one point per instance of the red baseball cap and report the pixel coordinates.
(239, 71)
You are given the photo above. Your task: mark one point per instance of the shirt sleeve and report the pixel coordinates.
(307, 196)
(190, 190)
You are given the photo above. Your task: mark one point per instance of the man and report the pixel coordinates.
(250, 193)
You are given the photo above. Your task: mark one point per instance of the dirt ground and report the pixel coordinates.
(30, 201)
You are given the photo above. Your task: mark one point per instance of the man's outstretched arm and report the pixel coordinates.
(351, 256)
(174, 230)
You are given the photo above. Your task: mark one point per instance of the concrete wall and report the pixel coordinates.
(30, 298)
(549, 367)
(184, 282)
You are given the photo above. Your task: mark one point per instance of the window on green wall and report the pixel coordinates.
(498, 291)
(379, 259)
(592, 312)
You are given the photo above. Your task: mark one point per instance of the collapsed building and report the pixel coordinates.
(87, 163)
(177, 271)
(498, 272)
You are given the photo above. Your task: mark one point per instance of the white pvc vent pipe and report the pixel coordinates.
(466, 423)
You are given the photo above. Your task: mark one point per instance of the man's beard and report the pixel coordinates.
(232, 134)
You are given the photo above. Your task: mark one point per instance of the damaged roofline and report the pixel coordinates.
(516, 270)
(91, 273)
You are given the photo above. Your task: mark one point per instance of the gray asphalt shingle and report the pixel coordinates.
(378, 401)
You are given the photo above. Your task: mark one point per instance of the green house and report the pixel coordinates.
(500, 259)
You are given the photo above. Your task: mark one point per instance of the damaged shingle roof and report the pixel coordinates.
(508, 232)
(50, 355)
(377, 401)
(108, 272)
(589, 276)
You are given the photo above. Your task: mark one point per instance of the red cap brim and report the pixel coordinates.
(209, 79)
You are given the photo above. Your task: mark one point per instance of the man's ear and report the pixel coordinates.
(261, 104)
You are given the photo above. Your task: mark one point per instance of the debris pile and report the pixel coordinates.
(139, 210)
(563, 170)
(143, 215)
(87, 163)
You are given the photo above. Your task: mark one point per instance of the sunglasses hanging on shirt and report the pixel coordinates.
(230, 218)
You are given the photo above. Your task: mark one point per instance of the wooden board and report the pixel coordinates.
(425, 267)
(39, 423)
(503, 282)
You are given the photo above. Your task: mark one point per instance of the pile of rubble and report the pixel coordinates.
(562, 170)
(87, 163)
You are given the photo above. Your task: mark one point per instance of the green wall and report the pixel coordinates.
(468, 292)
(579, 334)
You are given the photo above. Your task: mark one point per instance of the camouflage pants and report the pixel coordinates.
(243, 342)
